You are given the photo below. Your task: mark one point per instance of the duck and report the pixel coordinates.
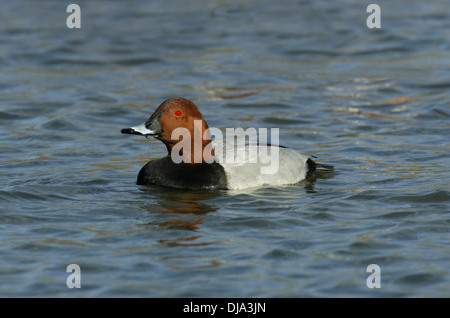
(200, 157)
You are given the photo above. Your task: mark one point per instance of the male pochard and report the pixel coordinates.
(207, 169)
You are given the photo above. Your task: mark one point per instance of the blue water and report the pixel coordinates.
(372, 102)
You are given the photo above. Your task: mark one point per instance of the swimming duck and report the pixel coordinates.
(195, 160)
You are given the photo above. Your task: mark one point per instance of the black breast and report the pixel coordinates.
(183, 175)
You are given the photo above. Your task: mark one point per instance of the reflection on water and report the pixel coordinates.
(187, 210)
(182, 201)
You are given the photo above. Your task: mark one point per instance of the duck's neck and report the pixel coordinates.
(197, 148)
(181, 152)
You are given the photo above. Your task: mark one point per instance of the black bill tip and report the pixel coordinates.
(130, 131)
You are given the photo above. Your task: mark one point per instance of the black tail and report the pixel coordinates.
(314, 167)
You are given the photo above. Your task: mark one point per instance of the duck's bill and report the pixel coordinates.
(139, 130)
(151, 127)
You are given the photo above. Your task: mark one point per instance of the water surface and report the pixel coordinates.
(373, 103)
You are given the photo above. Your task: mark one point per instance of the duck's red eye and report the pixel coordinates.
(177, 113)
